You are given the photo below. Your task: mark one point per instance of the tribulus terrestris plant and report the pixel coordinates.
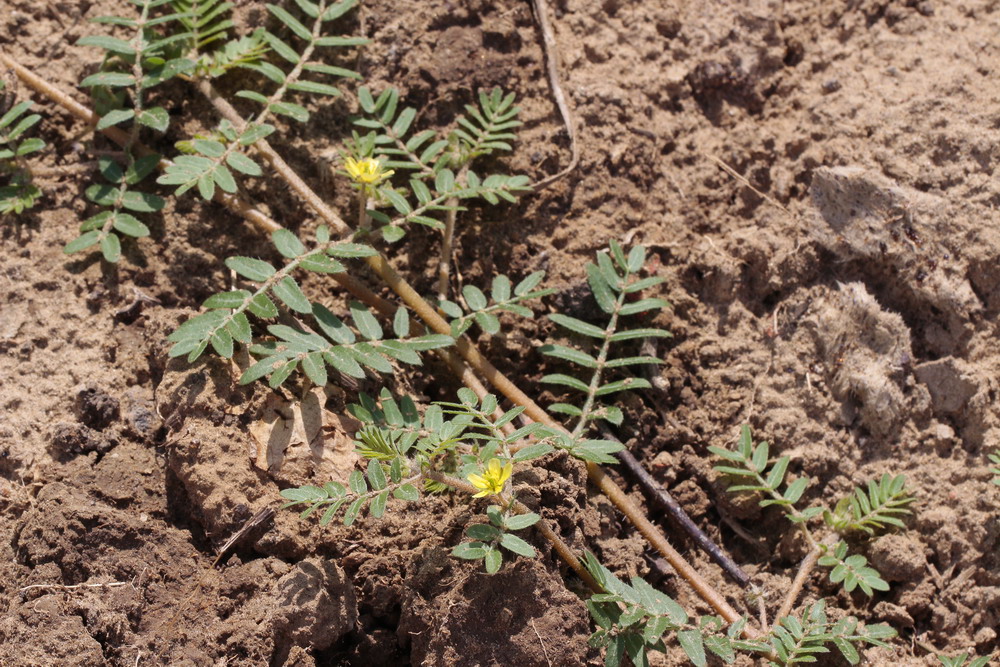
(17, 192)
(478, 444)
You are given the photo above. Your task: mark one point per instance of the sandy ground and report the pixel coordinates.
(840, 293)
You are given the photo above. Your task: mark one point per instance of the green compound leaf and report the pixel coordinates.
(82, 242)
(130, 226)
(110, 79)
(114, 117)
(288, 291)
(155, 118)
(577, 326)
(521, 521)
(407, 492)
(111, 248)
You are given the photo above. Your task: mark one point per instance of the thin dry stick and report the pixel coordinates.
(62, 587)
(742, 179)
(465, 347)
(662, 498)
(552, 68)
(542, 643)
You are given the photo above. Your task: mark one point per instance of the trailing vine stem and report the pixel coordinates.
(467, 350)
(447, 243)
(806, 567)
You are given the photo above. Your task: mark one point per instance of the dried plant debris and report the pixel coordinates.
(868, 352)
(902, 239)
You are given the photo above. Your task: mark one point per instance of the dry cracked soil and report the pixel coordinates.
(815, 181)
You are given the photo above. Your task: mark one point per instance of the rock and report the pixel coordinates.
(316, 605)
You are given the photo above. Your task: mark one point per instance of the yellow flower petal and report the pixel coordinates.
(367, 171)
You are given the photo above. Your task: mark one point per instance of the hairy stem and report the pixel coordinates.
(447, 241)
(364, 222)
(602, 358)
(805, 569)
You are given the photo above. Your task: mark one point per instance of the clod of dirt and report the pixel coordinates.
(139, 410)
(300, 440)
(898, 558)
(315, 605)
(869, 350)
(522, 616)
(951, 384)
(69, 439)
(65, 640)
(95, 407)
(893, 614)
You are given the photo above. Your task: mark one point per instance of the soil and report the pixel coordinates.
(836, 286)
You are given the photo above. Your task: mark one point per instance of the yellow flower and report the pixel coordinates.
(491, 482)
(367, 171)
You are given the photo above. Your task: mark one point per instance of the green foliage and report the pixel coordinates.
(482, 131)
(794, 640)
(876, 509)
(210, 161)
(292, 347)
(489, 541)
(18, 193)
(486, 434)
(439, 168)
(852, 571)
(614, 281)
(485, 128)
(396, 428)
(963, 660)
(395, 437)
(632, 620)
(372, 489)
(479, 310)
(764, 477)
(132, 67)
(995, 458)
(206, 21)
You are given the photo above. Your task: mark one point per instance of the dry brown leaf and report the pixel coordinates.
(302, 440)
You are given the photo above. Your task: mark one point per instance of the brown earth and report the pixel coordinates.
(849, 315)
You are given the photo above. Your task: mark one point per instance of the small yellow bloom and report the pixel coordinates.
(367, 171)
(491, 482)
